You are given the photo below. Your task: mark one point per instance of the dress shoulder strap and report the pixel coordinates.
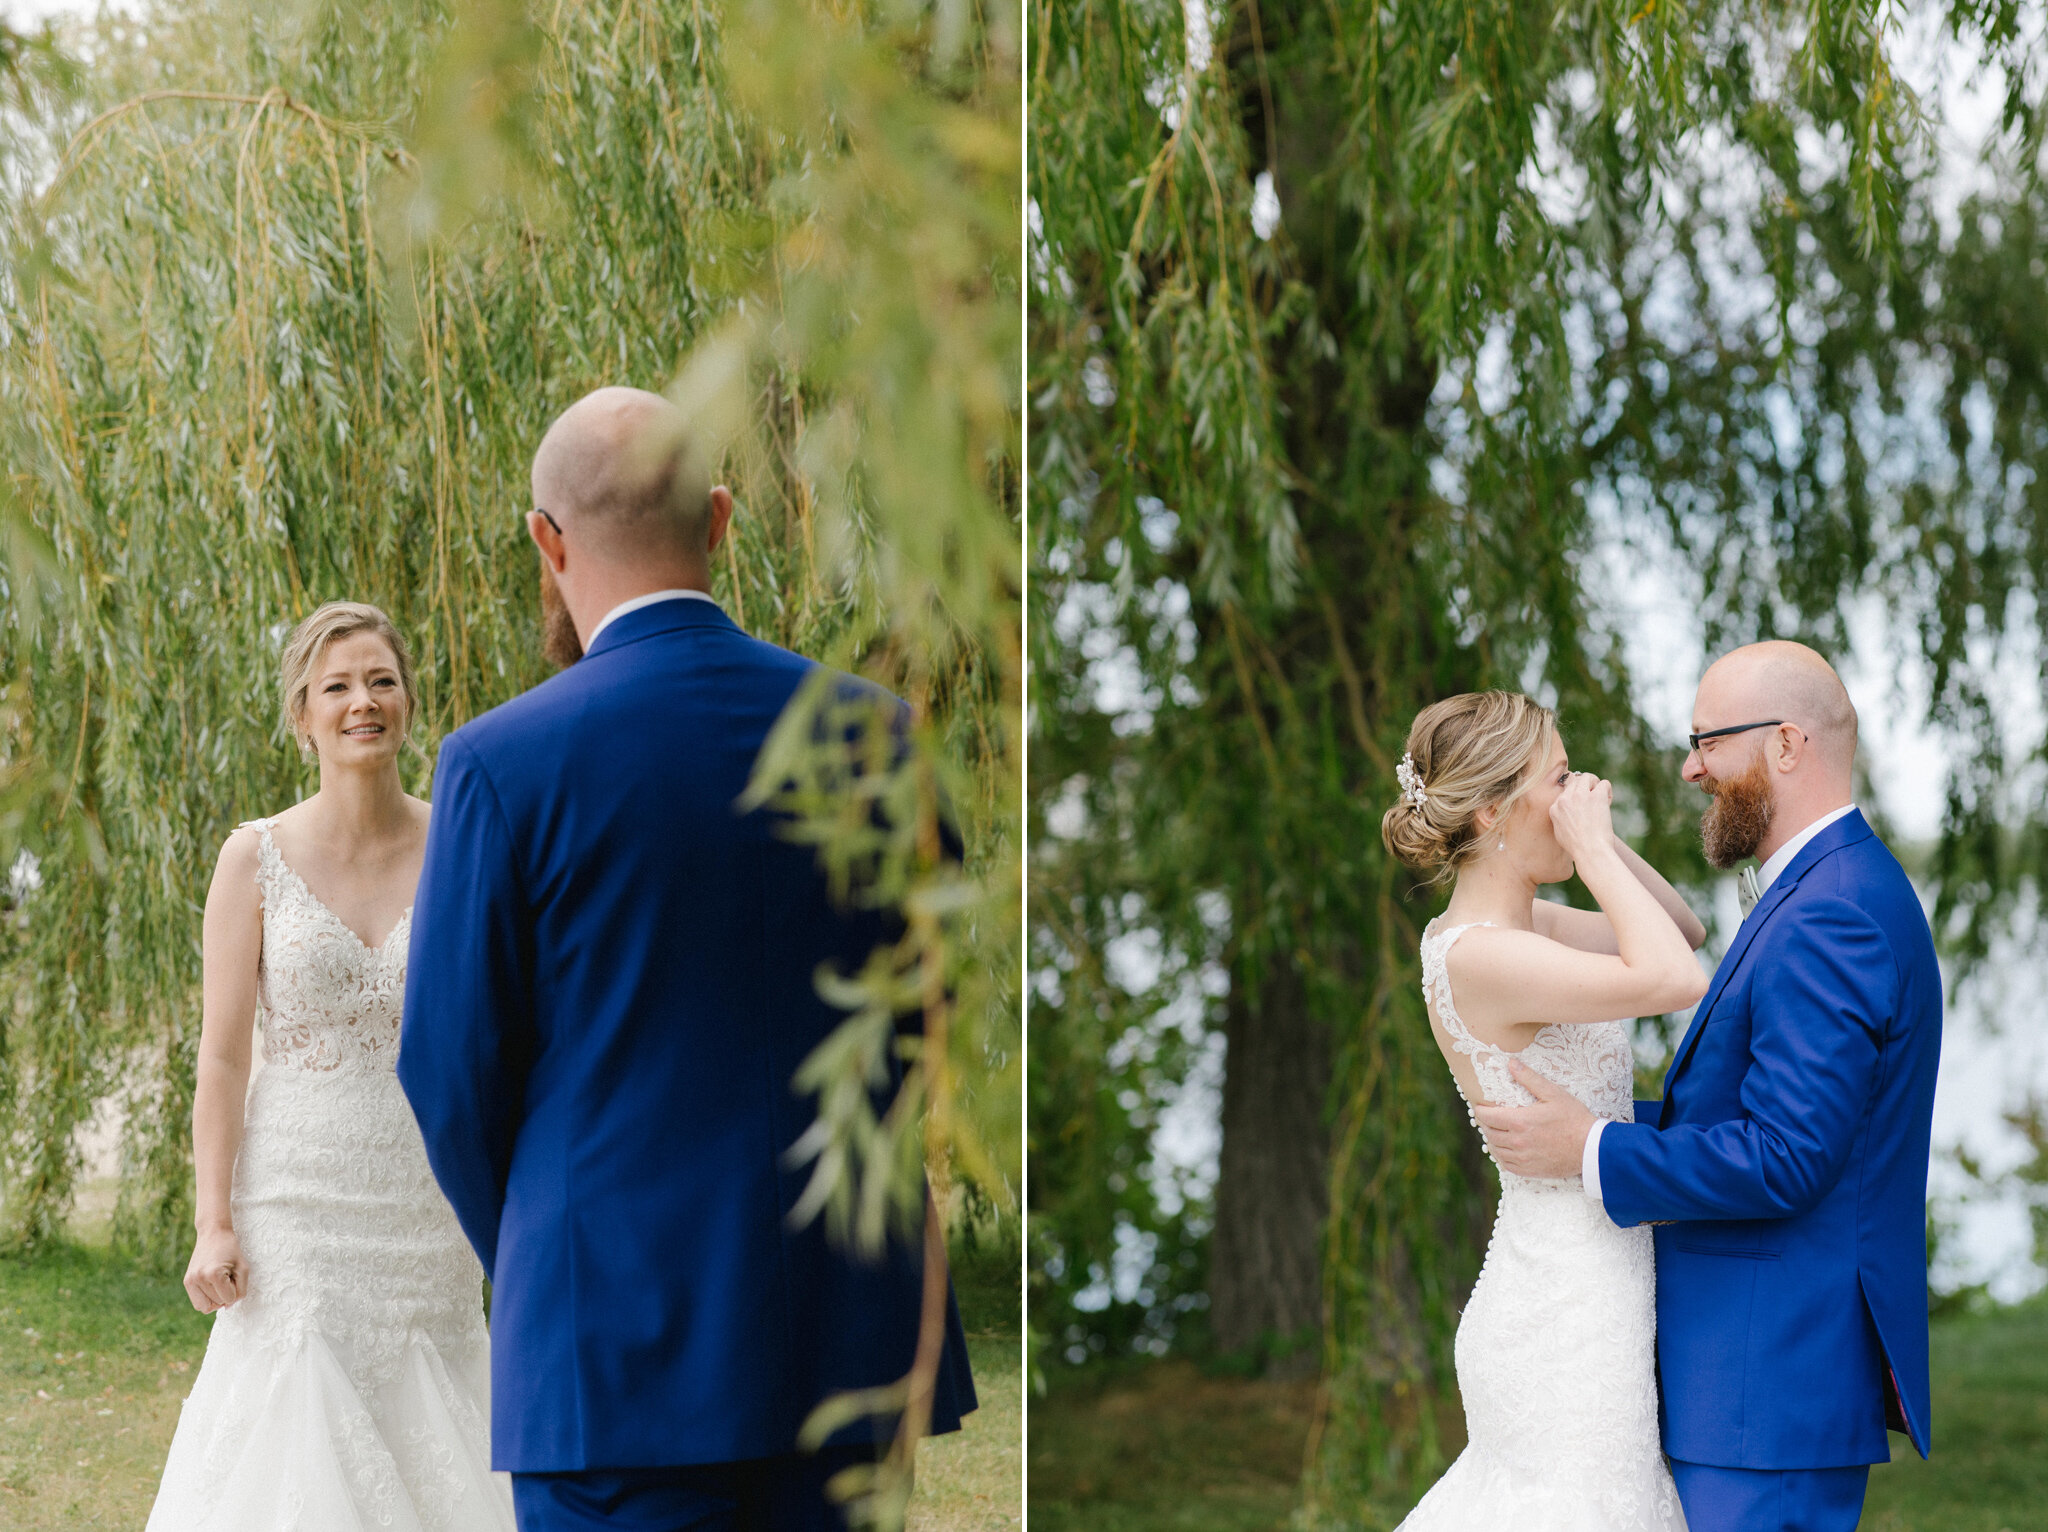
(269, 862)
(1436, 986)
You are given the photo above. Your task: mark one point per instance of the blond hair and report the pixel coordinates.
(1471, 752)
(302, 651)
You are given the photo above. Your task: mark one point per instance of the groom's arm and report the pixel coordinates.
(1817, 1019)
(1649, 1113)
(467, 1038)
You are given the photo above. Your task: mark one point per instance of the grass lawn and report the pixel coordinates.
(1162, 1447)
(1989, 1471)
(94, 1361)
(973, 1481)
(96, 1357)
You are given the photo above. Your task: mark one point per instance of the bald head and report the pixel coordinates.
(617, 471)
(1785, 680)
(1765, 785)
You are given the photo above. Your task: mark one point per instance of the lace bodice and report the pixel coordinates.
(327, 1000)
(1591, 1060)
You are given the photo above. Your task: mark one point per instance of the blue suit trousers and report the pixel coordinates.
(1770, 1500)
(779, 1494)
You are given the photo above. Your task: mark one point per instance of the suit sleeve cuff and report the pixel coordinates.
(1589, 1161)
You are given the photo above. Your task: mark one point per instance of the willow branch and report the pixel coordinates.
(82, 140)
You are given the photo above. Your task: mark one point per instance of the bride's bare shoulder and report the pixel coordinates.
(238, 853)
(1495, 954)
(233, 890)
(1488, 942)
(242, 852)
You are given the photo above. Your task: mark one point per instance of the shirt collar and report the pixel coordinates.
(639, 601)
(1782, 858)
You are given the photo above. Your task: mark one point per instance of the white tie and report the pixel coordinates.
(1746, 890)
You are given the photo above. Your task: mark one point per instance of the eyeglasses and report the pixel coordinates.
(549, 520)
(1733, 728)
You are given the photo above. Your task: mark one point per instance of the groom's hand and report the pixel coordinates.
(1544, 1141)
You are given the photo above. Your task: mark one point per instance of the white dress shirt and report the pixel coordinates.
(1766, 875)
(639, 601)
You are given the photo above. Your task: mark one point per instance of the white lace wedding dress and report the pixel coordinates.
(351, 1388)
(1556, 1349)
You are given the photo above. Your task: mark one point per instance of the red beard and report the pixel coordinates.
(1738, 816)
(558, 641)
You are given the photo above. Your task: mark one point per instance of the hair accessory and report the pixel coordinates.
(1411, 781)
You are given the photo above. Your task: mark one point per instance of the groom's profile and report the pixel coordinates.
(1785, 1166)
(611, 986)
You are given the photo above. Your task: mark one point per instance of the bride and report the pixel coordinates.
(346, 1382)
(1555, 1351)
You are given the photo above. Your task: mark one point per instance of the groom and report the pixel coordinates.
(1786, 1166)
(612, 982)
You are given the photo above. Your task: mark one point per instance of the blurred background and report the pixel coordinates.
(1378, 354)
(288, 293)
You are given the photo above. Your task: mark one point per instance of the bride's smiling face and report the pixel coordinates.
(355, 706)
(1532, 842)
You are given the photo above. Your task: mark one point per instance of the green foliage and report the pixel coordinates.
(2026, 1183)
(287, 326)
(1553, 295)
(2031, 1120)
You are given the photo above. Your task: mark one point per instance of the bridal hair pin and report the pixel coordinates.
(1411, 781)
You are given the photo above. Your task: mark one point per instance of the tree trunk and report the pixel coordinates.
(1272, 1187)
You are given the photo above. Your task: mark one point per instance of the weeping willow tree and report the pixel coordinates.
(1374, 351)
(292, 293)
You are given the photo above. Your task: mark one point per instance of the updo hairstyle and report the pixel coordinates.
(302, 651)
(1470, 752)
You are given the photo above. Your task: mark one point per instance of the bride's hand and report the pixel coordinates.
(218, 1275)
(1583, 815)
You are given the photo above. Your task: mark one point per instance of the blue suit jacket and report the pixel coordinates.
(610, 987)
(1789, 1156)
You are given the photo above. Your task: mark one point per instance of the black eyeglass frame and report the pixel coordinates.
(549, 520)
(1733, 728)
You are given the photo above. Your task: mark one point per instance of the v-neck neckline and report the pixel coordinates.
(375, 948)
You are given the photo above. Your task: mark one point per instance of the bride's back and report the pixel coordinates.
(1592, 1061)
